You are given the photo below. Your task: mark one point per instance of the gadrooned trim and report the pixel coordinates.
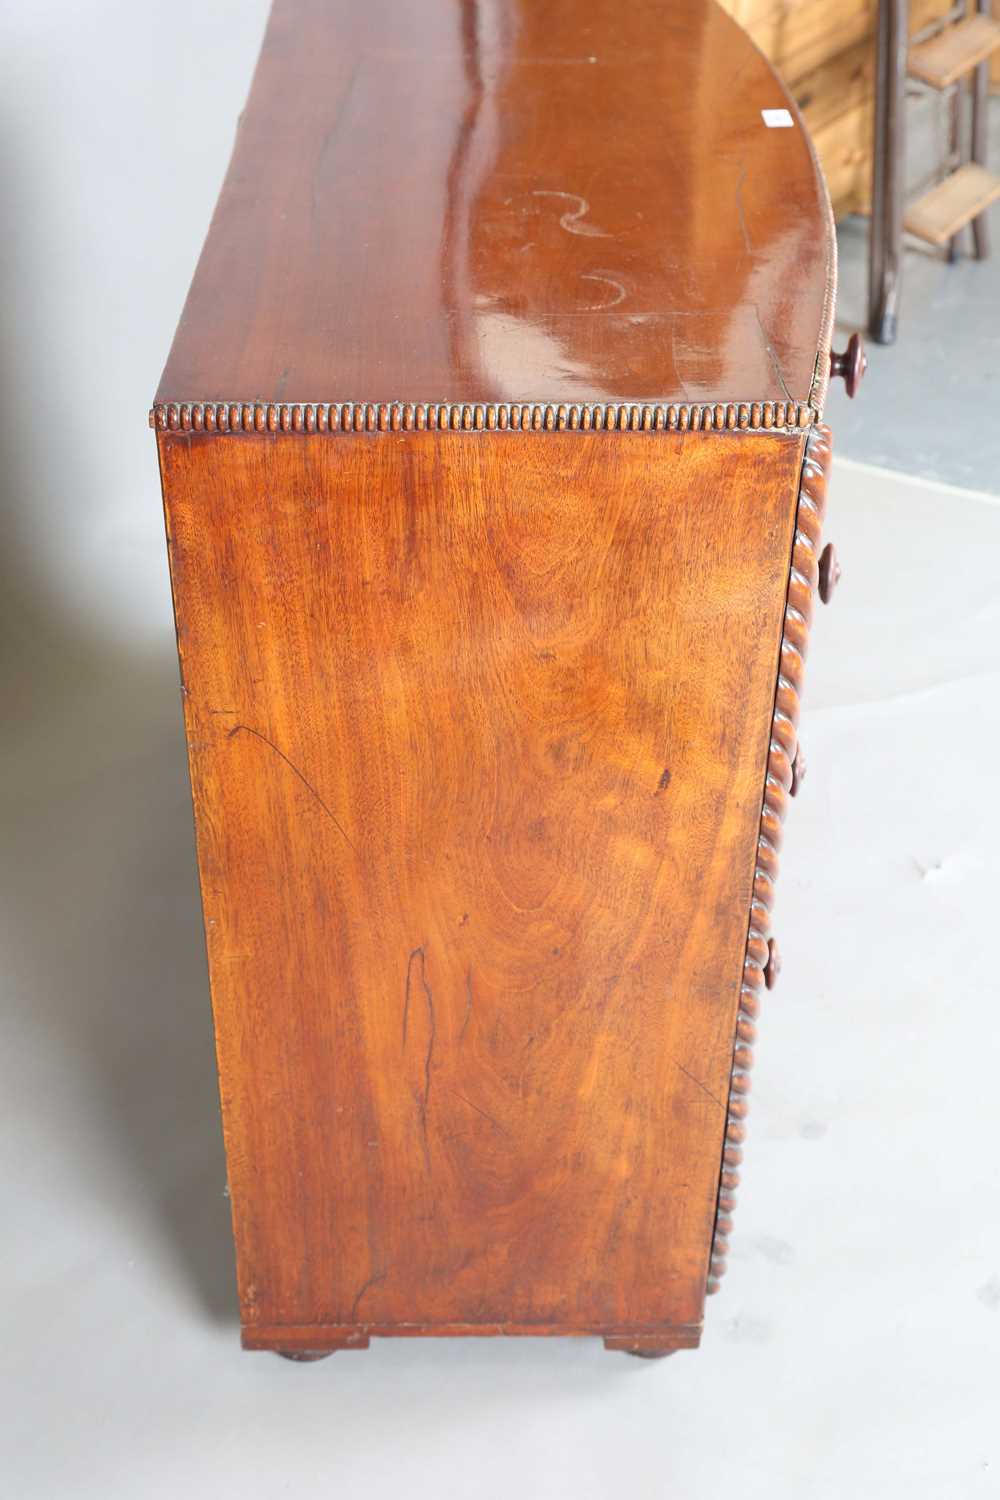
(235, 417)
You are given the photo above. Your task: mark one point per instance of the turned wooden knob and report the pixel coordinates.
(773, 966)
(852, 364)
(829, 572)
(799, 769)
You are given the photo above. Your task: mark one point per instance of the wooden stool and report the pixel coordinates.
(953, 51)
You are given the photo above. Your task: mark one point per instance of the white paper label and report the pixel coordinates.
(776, 119)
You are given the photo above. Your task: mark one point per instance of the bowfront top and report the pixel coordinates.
(510, 201)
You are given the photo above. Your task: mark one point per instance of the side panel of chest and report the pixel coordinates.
(478, 728)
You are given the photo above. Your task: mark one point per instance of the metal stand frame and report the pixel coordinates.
(885, 240)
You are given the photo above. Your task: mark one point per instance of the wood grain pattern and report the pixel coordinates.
(532, 201)
(477, 730)
(760, 965)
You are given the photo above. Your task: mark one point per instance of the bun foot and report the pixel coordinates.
(643, 1347)
(308, 1356)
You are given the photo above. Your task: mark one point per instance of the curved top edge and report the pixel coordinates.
(597, 203)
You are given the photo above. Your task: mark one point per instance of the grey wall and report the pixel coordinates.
(116, 120)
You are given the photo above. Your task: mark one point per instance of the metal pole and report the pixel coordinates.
(885, 244)
(980, 104)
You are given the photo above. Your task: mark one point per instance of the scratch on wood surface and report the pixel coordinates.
(418, 953)
(608, 280)
(319, 197)
(664, 782)
(468, 1004)
(673, 356)
(741, 211)
(479, 1111)
(366, 1287)
(245, 729)
(572, 219)
(707, 1092)
(772, 356)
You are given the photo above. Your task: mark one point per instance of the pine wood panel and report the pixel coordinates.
(802, 37)
(844, 147)
(478, 727)
(837, 87)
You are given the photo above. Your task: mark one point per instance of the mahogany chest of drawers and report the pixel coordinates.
(493, 479)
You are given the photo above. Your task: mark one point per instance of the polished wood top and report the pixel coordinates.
(511, 200)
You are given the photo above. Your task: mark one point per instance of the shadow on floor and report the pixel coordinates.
(113, 1024)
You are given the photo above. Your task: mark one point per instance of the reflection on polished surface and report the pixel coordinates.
(497, 200)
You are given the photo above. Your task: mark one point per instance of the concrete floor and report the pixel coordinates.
(854, 1349)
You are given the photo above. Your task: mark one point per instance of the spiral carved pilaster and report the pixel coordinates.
(760, 963)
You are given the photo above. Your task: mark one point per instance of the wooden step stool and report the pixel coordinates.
(957, 49)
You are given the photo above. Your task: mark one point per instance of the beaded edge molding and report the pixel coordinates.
(533, 416)
(760, 957)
